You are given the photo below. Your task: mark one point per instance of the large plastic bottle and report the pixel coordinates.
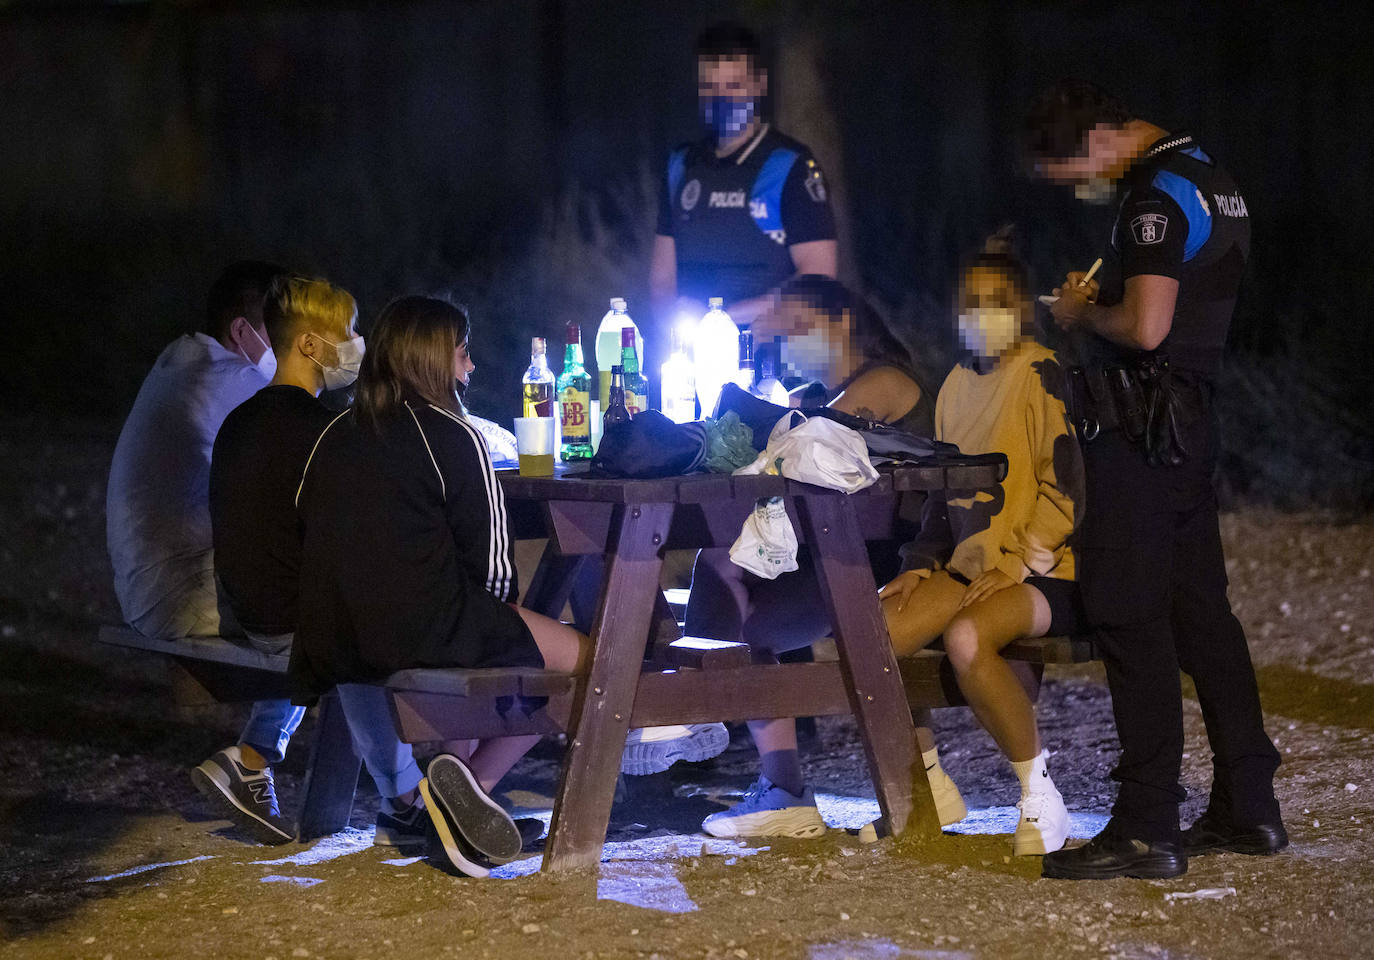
(678, 381)
(608, 346)
(717, 355)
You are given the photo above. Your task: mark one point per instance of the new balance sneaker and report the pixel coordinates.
(410, 827)
(768, 811)
(247, 797)
(1044, 824)
(467, 820)
(655, 749)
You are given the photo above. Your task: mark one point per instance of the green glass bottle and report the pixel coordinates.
(575, 400)
(636, 386)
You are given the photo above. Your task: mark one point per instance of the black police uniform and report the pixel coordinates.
(732, 218)
(1153, 576)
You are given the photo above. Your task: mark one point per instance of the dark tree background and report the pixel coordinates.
(509, 153)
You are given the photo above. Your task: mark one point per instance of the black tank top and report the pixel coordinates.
(920, 419)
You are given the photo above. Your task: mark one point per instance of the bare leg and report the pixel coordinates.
(776, 741)
(915, 625)
(563, 649)
(973, 641)
(462, 749)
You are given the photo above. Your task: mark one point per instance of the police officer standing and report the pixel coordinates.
(1153, 575)
(743, 209)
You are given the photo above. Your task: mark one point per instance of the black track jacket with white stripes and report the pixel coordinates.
(406, 558)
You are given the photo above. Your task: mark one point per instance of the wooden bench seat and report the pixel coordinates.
(233, 673)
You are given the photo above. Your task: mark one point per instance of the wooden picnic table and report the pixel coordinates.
(629, 524)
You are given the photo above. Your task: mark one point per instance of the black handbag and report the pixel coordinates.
(649, 445)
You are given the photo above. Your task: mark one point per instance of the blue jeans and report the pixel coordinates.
(270, 726)
(390, 762)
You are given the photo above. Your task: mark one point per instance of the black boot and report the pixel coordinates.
(1111, 855)
(1213, 833)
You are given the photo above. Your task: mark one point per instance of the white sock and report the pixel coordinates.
(1033, 774)
(931, 759)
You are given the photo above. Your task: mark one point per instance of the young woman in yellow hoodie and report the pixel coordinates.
(993, 565)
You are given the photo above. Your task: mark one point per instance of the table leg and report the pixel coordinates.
(331, 778)
(601, 717)
(552, 582)
(867, 662)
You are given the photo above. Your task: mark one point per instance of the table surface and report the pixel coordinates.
(574, 482)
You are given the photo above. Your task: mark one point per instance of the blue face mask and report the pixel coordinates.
(726, 117)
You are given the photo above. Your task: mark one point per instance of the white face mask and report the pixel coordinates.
(1098, 190)
(809, 355)
(350, 354)
(989, 331)
(267, 362)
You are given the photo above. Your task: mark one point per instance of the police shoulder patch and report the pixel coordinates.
(815, 183)
(1149, 228)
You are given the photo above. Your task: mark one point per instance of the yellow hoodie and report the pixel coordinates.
(1022, 525)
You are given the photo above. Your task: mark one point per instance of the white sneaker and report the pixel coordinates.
(768, 811)
(655, 749)
(949, 806)
(1044, 824)
(949, 802)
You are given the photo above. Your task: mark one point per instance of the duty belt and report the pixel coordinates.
(1143, 399)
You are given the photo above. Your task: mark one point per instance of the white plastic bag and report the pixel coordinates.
(767, 545)
(818, 451)
(500, 441)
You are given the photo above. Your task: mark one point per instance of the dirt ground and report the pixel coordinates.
(107, 852)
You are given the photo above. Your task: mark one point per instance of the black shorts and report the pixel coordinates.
(1066, 605)
(1067, 618)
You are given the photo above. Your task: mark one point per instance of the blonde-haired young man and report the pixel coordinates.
(259, 457)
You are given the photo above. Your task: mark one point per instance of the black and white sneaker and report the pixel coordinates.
(472, 827)
(410, 827)
(247, 796)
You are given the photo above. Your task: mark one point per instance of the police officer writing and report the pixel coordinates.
(744, 209)
(1153, 576)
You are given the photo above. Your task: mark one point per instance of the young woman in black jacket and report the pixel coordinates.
(407, 560)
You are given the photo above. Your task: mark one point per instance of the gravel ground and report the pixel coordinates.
(107, 852)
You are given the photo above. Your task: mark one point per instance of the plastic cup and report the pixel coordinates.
(534, 444)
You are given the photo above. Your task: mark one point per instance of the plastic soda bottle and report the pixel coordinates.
(575, 400)
(678, 382)
(538, 382)
(634, 382)
(608, 345)
(717, 355)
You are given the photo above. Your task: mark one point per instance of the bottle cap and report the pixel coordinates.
(574, 333)
(618, 304)
(716, 303)
(537, 346)
(617, 370)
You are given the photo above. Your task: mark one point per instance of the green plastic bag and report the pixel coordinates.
(729, 444)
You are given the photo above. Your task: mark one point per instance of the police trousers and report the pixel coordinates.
(1154, 584)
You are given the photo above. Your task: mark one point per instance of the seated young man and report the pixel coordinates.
(157, 505)
(157, 512)
(259, 458)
